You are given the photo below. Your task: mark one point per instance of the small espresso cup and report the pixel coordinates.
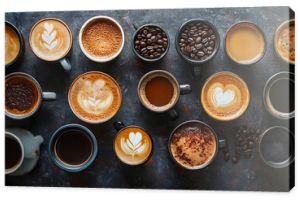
(51, 40)
(159, 91)
(21, 151)
(197, 135)
(279, 95)
(73, 147)
(19, 87)
(14, 44)
(132, 144)
(97, 42)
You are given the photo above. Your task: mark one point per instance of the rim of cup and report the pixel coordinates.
(21, 43)
(55, 19)
(17, 166)
(133, 126)
(148, 59)
(90, 121)
(158, 72)
(263, 36)
(270, 163)
(267, 102)
(278, 30)
(36, 84)
(202, 96)
(190, 60)
(65, 166)
(201, 123)
(95, 18)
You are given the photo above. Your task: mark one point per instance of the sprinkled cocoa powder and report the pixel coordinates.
(193, 146)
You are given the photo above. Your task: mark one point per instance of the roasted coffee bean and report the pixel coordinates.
(151, 42)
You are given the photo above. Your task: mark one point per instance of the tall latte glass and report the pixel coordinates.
(51, 40)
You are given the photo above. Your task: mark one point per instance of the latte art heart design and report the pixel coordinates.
(133, 144)
(223, 98)
(95, 97)
(49, 36)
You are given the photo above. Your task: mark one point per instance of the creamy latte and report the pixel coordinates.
(225, 96)
(133, 145)
(50, 39)
(12, 45)
(94, 97)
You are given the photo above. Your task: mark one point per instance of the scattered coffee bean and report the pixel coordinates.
(197, 40)
(151, 42)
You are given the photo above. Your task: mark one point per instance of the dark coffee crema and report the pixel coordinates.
(282, 95)
(73, 147)
(277, 145)
(13, 152)
(21, 95)
(193, 145)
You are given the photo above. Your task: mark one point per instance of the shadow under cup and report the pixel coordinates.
(73, 147)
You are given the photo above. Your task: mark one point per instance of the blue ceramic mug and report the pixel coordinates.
(73, 147)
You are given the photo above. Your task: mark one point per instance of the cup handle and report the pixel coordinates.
(118, 125)
(65, 63)
(185, 89)
(49, 96)
(173, 114)
(38, 140)
(222, 143)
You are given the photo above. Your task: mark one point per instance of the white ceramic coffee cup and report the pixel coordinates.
(97, 59)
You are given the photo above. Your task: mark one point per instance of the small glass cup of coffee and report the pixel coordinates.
(277, 147)
(132, 144)
(194, 145)
(159, 91)
(51, 40)
(14, 44)
(279, 95)
(73, 147)
(101, 38)
(23, 95)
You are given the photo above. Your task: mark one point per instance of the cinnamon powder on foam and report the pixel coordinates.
(102, 38)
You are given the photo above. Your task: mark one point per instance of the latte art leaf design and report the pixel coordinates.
(223, 98)
(49, 36)
(133, 144)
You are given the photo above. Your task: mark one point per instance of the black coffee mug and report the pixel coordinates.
(21, 40)
(73, 147)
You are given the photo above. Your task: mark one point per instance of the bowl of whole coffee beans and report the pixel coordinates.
(197, 41)
(150, 42)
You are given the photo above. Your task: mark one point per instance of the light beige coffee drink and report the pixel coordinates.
(50, 39)
(94, 97)
(133, 145)
(225, 96)
(12, 45)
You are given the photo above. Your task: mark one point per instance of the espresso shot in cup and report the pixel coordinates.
(14, 153)
(159, 91)
(284, 41)
(23, 95)
(245, 43)
(150, 43)
(279, 95)
(95, 97)
(101, 39)
(194, 145)
(132, 144)
(73, 147)
(51, 40)
(277, 147)
(14, 44)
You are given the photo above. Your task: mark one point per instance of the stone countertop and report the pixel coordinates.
(160, 171)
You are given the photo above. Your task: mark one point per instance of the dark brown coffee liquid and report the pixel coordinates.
(282, 95)
(159, 91)
(13, 152)
(21, 95)
(73, 147)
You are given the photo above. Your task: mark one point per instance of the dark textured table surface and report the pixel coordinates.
(160, 171)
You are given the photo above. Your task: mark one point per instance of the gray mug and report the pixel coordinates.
(46, 96)
(29, 146)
